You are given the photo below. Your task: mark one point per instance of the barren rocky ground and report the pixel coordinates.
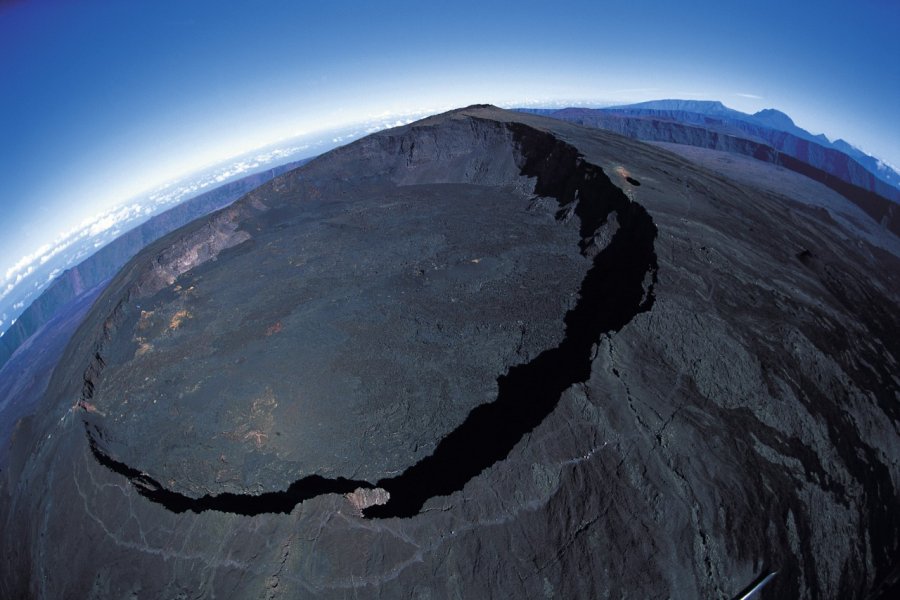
(487, 354)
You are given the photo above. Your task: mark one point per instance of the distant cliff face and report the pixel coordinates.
(804, 155)
(486, 354)
(769, 126)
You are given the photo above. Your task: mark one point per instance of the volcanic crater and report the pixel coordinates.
(400, 327)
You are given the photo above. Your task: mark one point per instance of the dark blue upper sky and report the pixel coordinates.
(100, 100)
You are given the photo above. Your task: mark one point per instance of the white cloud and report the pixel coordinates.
(25, 261)
(883, 165)
(751, 96)
(18, 305)
(101, 225)
(23, 274)
(26, 266)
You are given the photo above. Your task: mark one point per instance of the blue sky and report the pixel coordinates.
(101, 100)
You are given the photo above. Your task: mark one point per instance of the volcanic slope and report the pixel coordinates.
(487, 354)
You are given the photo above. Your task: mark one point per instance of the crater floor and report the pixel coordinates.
(343, 340)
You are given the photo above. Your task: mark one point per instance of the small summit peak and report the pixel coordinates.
(845, 146)
(774, 118)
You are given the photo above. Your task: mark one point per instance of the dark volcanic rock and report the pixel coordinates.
(484, 355)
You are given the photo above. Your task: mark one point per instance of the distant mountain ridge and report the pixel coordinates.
(768, 126)
(712, 125)
(768, 117)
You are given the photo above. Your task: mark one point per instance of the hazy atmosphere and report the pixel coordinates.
(104, 100)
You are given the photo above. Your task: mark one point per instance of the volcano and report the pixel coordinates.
(486, 354)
